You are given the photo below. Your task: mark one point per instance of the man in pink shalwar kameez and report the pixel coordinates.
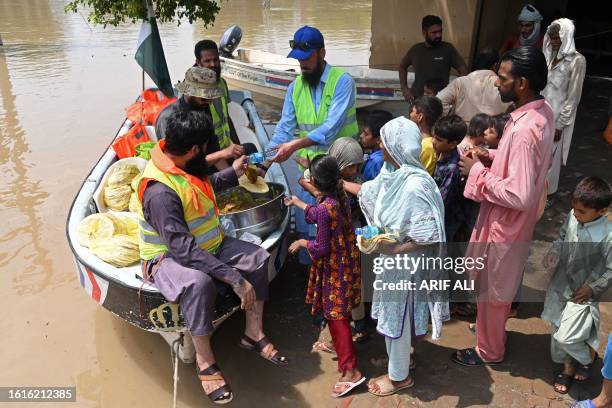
(509, 191)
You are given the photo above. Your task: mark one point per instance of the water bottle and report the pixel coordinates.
(368, 232)
(257, 158)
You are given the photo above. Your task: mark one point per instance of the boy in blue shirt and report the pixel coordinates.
(370, 139)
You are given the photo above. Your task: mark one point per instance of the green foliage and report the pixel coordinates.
(115, 12)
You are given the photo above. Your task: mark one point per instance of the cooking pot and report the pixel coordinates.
(262, 219)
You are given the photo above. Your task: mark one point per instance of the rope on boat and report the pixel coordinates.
(174, 355)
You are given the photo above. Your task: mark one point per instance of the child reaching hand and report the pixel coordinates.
(582, 258)
(334, 282)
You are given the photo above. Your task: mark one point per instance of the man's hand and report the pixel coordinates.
(233, 151)
(407, 94)
(582, 294)
(296, 245)
(240, 165)
(558, 134)
(465, 165)
(246, 293)
(284, 151)
(550, 259)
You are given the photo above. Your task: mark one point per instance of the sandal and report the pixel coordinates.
(469, 357)
(221, 395)
(585, 371)
(349, 386)
(265, 349)
(386, 386)
(564, 380)
(324, 347)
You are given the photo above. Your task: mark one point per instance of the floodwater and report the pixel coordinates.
(63, 86)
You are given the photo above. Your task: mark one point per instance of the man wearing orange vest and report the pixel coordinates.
(185, 252)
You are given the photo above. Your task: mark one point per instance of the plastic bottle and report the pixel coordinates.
(368, 232)
(258, 157)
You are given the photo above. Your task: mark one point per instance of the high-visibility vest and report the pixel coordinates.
(220, 116)
(308, 119)
(199, 206)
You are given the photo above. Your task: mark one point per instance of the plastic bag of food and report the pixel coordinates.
(228, 226)
(134, 204)
(117, 198)
(95, 227)
(124, 225)
(123, 174)
(118, 250)
(135, 181)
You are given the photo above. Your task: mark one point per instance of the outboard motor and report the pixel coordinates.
(229, 41)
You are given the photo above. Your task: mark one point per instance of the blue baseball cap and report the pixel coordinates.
(305, 41)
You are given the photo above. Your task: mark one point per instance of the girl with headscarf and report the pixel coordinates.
(530, 21)
(404, 200)
(566, 70)
(349, 155)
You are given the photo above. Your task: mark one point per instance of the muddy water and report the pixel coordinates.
(63, 87)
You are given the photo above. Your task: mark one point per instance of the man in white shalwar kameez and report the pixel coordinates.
(566, 69)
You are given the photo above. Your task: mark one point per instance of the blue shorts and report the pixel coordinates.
(606, 371)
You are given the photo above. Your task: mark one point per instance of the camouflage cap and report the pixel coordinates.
(201, 83)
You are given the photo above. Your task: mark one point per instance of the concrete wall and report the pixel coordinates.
(396, 26)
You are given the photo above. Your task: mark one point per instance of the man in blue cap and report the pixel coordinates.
(320, 105)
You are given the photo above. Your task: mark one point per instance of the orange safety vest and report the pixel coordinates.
(125, 145)
(146, 109)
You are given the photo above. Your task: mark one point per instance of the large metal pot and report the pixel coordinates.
(262, 219)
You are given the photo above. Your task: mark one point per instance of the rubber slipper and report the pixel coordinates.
(386, 387)
(351, 385)
(585, 370)
(564, 380)
(322, 346)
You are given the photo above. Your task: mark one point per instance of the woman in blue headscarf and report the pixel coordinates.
(404, 200)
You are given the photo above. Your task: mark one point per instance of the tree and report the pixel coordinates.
(115, 12)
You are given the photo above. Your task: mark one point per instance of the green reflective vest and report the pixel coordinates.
(308, 119)
(220, 116)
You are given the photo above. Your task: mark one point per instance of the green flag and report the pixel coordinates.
(150, 55)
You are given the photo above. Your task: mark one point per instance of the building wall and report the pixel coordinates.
(396, 26)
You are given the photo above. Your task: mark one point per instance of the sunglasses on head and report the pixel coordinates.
(304, 46)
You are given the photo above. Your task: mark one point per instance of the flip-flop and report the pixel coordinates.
(469, 357)
(585, 370)
(564, 380)
(322, 346)
(351, 385)
(386, 387)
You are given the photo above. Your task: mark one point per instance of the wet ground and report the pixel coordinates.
(63, 87)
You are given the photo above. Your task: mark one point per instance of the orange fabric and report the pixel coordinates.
(148, 107)
(164, 163)
(607, 135)
(125, 146)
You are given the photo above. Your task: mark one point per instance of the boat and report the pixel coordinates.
(270, 74)
(122, 291)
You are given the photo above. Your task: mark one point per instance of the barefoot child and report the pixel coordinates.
(334, 284)
(582, 256)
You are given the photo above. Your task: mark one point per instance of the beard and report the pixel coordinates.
(433, 42)
(197, 166)
(509, 96)
(217, 71)
(312, 78)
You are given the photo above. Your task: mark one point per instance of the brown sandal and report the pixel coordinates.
(265, 349)
(221, 395)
